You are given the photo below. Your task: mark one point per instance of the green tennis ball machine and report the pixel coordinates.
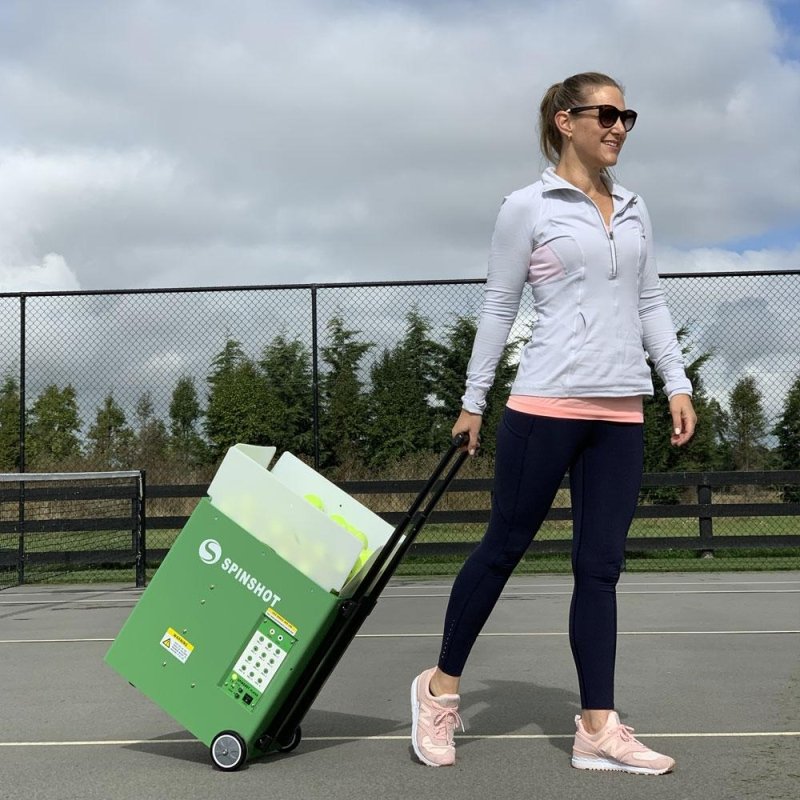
(246, 598)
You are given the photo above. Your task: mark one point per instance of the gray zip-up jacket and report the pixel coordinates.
(598, 301)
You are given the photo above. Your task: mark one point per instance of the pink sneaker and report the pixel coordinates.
(434, 720)
(615, 748)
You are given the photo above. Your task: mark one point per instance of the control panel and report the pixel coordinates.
(258, 663)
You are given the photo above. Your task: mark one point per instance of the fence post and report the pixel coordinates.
(315, 375)
(21, 444)
(141, 539)
(21, 535)
(706, 522)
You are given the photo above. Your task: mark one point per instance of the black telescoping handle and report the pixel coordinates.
(354, 611)
(456, 444)
(413, 520)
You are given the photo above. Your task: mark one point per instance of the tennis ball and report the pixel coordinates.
(315, 501)
(340, 520)
(359, 565)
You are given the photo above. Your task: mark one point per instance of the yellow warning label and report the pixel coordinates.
(179, 647)
(284, 623)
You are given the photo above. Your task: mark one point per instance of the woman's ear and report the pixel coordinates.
(564, 124)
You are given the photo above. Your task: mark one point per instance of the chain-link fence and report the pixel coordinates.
(149, 380)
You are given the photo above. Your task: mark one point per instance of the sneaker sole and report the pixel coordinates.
(615, 766)
(414, 722)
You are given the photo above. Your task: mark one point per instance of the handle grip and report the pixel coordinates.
(460, 439)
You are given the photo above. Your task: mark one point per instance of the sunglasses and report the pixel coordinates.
(607, 116)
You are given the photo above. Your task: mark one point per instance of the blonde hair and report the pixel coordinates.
(569, 93)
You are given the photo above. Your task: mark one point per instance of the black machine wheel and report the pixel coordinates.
(293, 742)
(228, 751)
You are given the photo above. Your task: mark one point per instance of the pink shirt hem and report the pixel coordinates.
(610, 409)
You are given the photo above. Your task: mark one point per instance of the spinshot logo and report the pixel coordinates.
(210, 552)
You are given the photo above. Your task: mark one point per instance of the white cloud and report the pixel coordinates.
(52, 275)
(716, 259)
(156, 143)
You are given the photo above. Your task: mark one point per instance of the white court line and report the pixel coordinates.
(623, 582)
(489, 633)
(51, 641)
(398, 593)
(68, 588)
(405, 738)
(134, 592)
(58, 600)
(565, 633)
(619, 592)
(721, 735)
(505, 595)
(66, 602)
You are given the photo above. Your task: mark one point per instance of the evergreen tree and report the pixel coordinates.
(237, 401)
(52, 430)
(403, 400)
(286, 366)
(9, 425)
(701, 452)
(184, 410)
(111, 441)
(152, 440)
(720, 422)
(343, 401)
(788, 432)
(747, 425)
(450, 383)
(185, 442)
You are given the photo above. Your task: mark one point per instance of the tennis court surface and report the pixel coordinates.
(708, 671)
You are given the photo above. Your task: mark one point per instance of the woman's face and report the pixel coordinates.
(597, 147)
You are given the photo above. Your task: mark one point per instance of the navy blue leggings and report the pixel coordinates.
(604, 460)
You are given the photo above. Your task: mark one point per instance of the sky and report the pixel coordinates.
(170, 143)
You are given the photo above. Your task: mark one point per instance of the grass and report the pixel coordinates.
(677, 560)
(641, 528)
(663, 561)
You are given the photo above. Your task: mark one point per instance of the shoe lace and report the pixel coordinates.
(625, 733)
(445, 723)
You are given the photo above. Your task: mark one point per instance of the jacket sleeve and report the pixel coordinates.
(658, 331)
(509, 261)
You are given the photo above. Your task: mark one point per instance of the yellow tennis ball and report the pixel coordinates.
(315, 501)
(360, 562)
(340, 520)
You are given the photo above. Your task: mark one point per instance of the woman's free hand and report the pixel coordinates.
(470, 424)
(683, 419)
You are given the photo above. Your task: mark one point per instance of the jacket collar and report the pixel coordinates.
(553, 182)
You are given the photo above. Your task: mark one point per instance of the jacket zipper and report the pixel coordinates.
(613, 251)
(610, 232)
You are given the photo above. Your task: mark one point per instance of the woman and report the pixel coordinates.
(585, 246)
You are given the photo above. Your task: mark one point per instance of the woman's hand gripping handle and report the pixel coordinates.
(469, 424)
